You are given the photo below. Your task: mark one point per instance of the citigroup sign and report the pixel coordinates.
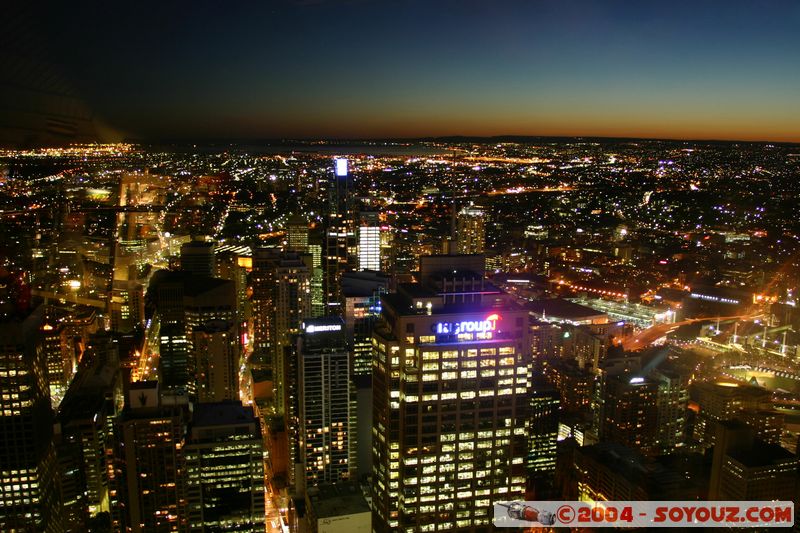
(467, 326)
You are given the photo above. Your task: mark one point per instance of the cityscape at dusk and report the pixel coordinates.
(319, 266)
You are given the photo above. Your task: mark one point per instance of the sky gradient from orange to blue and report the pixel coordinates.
(701, 69)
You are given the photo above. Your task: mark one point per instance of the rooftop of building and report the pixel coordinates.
(403, 305)
(193, 285)
(199, 245)
(763, 454)
(731, 388)
(646, 472)
(561, 308)
(222, 414)
(337, 500)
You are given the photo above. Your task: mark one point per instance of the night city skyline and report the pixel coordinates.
(366, 266)
(362, 69)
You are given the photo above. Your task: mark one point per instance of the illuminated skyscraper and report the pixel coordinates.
(542, 436)
(629, 414)
(176, 366)
(150, 475)
(671, 402)
(451, 400)
(29, 495)
(60, 358)
(84, 437)
(281, 301)
(471, 230)
(217, 349)
(224, 469)
(362, 294)
(339, 241)
(297, 234)
(369, 241)
(323, 393)
(720, 401)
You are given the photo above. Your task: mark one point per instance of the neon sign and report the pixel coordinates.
(467, 326)
(318, 328)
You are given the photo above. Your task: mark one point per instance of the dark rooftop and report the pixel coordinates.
(221, 413)
(561, 308)
(337, 500)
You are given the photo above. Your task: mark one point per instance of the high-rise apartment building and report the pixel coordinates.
(471, 230)
(224, 469)
(629, 414)
(324, 401)
(451, 400)
(60, 356)
(671, 403)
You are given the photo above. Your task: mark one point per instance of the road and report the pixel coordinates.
(648, 336)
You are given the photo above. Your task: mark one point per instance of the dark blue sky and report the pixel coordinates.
(723, 69)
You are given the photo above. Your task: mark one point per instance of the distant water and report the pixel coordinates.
(377, 149)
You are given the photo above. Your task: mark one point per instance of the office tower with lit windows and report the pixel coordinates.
(263, 282)
(323, 393)
(609, 471)
(84, 433)
(60, 356)
(176, 366)
(451, 400)
(181, 302)
(362, 294)
(339, 242)
(217, 350)
(232, 264)
(29, 493)
(369, 241)
(281, 300)
(126, 305)
(720, 401)
(297, 234)
(150, 466)
(629, 412)
(744, 467)
(224, 469)
(317, 279)
(545, 402)
(471, 230)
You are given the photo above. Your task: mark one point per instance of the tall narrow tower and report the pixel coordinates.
(339, 240)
